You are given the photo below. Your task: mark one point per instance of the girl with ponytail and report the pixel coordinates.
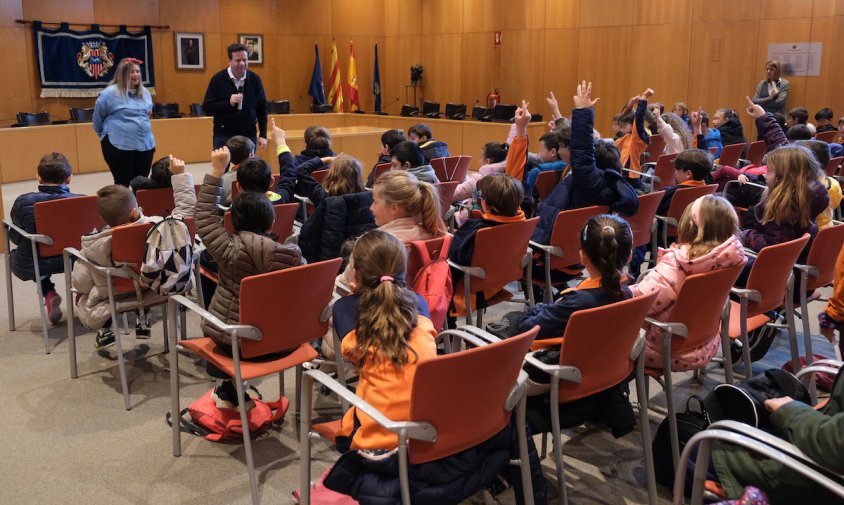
(385, 334)
(605, 247)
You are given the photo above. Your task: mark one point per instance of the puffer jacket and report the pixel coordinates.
(23, 216)
(666, 279)
(732, 132)
(335, 220)
(92, 286)
(434, 149)
(586, 184)
(238, 256)
(464, 189)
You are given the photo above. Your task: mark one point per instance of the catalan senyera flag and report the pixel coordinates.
(335, 88)
(354, 97)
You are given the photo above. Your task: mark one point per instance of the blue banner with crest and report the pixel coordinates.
(80, 64)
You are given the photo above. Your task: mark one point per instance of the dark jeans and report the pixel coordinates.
(126, 165)
(220, 140)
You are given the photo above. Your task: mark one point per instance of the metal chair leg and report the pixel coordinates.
(175, 407)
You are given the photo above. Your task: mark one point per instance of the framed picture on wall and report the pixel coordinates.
(190, 51)
(254, 47)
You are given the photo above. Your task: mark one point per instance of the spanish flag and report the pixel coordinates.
(335, 88)
(354, 98)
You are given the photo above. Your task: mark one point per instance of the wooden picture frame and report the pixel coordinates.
(190, 51)
(255, 47)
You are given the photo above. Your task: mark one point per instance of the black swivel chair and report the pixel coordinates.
(165, 110)
(196, 110)
(455, 110)
(32, 119)
(481, 113)
(431, 109)
(278, 107)
(504, 112)
(81, 115)
(409, 110)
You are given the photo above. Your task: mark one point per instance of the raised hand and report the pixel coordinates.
(177, 166)
(696, 121)
(555, 107)
(583, 96)
(219, 161)
(522, 119)
(648, 93)
(278, 135)
(755, 110)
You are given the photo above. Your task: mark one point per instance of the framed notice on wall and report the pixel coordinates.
(798, 58)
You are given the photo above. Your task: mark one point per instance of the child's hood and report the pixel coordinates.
(726, 254)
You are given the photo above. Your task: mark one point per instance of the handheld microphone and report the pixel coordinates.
(240, 103)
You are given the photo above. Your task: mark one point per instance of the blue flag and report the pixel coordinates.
(376, 83)
(317, 89)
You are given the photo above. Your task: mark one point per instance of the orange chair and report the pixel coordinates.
(700, 311)
(546, 182)
(260, 335)
(833, 166)
(730, 155)
(562, 251)
(756, 153)
(643, 222)
(664, 173)
(156, 202)
(449, 413)
(451, 168)
(818, 271)
(319, 175)
(501, 256)
(656, 146)
(770, 277)
(827, 137)
(601, 347)
(124, 293)
(381, 169)
(58, 224)
(446, 192)
(681, 199)
(285, 214)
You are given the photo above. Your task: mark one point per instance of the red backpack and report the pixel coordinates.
(433, 280)
(215, 424)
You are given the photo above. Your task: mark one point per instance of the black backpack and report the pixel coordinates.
(689, 423)
(760, 341)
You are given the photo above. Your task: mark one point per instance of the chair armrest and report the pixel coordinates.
(809, 270)
(34, 237)
(480, 333)
(749, 294)
(242, 330)
(472, 271)
(415, 430)
(829, 366)
(517, 392)
(669, 221)
(760, 436)
(643, 174)
(550, 249)
(464, 335)
(566, 372)
(676, 329)
(115, 271)
(342, 288)
(750, 252)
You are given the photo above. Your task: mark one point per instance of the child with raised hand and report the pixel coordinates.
(635, 139)
(675, 131)
(706, 241)
(385, 340)
(241, 149)
(159, 176)
(248, 251)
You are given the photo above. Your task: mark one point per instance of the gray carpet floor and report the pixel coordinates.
(71, 441)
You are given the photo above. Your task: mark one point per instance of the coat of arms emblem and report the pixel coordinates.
(95, 59)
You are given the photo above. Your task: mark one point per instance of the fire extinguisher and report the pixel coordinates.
(493, 99)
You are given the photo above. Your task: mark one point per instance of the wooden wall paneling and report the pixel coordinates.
(190, 15)
(187, 138)
(248, 16)
(723, 77)
(562, 14)
(30, 144)
(90, 153)
(302, 121)
(785, 9)
(485, 15)
(16, 88)
(402, 18)
(59, 11)
(478, 77)
(660, 56)
(125, 12)
(313, 17)
(705, 11)
(441, 16)
(839, 7)
(824, 90)
(396, 57)
(358, 18)
(10, 10)
(823, 8)
(659, 12)
(611, 82)
(443, 66)
(522, 70)
(296, 65)
(605, 13)
(560, 74)
(530, 17)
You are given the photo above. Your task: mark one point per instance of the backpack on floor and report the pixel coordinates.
(216, 424)
(433, 280)
(168, 258)
(689, 423)
(760, 342)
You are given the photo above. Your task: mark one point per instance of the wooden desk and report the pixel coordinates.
(189, 138)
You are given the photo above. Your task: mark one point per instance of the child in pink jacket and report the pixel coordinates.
(707, 242)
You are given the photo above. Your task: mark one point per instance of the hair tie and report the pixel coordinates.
(421, 184)
(610, 228)
(387, 278)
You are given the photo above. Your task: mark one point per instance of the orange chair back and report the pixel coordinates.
(499, 251)
(414, 260)
(823, 255)
(381, 169)
(127, 246)
(236, 189)
(451, 168)
(319, 175)
(65, 220)
(286, 306)
(770, 271)
(664, 169)
(682, 198)
(699, 306)
(730, 155)
(832, 166)
(446, 191)
(641, 223)
(285, 214)
(446, 393)
(546, 182)
(156, 202)
(656, 146)
(826, 136)
(756, 152)
(566, 233)
(599, 342)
